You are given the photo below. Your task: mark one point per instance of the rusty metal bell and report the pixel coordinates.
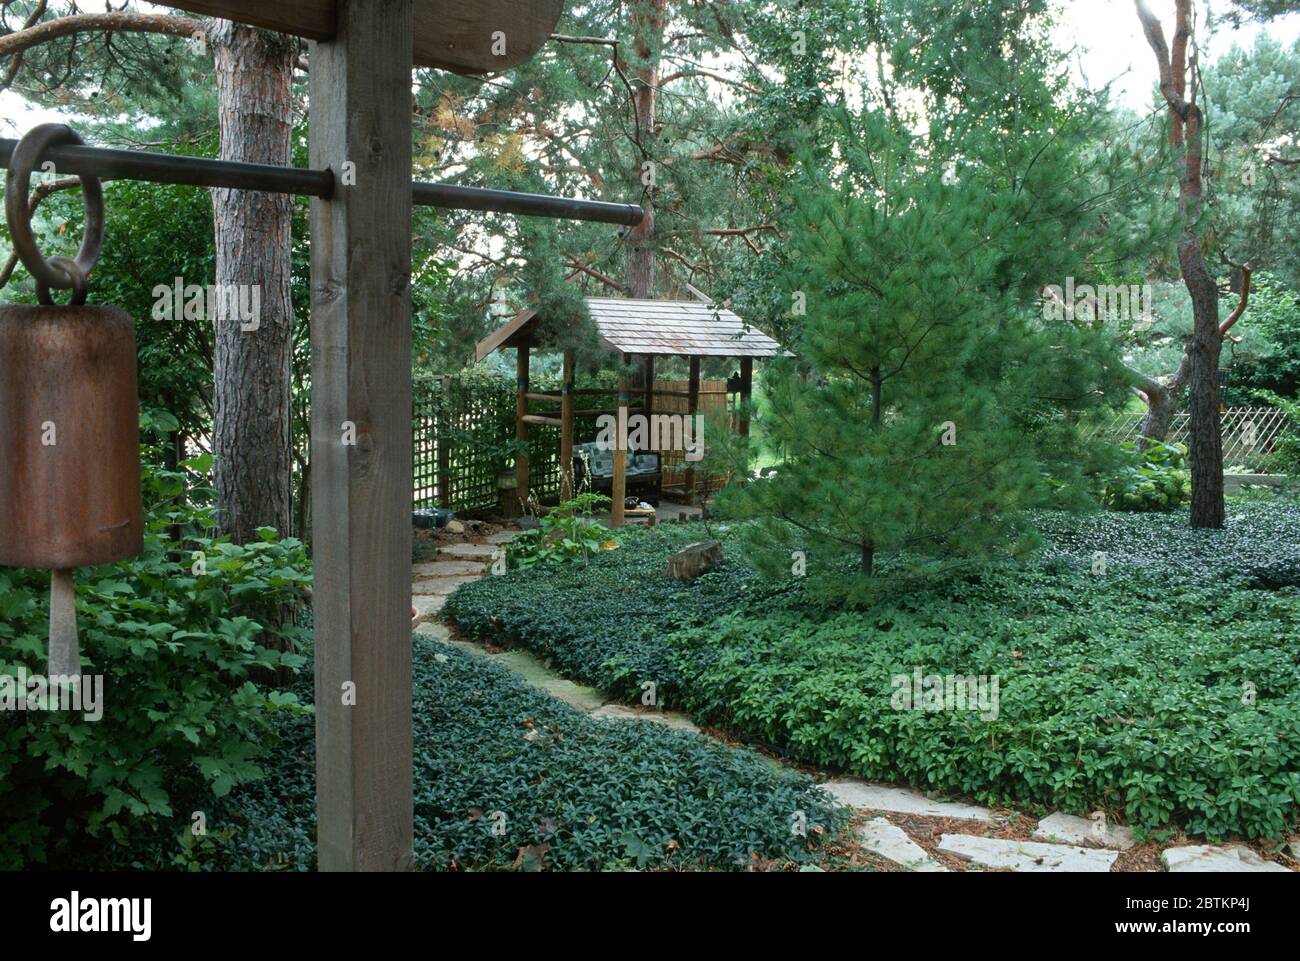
(69, 422)
(69, 437)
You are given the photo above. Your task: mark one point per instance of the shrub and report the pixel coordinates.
(1153, 479)
(568, 532)
(1287, 448)
(185, 714)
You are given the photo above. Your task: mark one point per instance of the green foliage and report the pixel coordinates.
(186, 712)
(1269, 355)
(614, 612)
(1153, 479)
(568, 532)
(928, 396)
(1287, 447)
(1156, 690)
(572, 793)
(583, 794)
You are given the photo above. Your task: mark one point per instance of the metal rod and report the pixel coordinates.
(107, 164)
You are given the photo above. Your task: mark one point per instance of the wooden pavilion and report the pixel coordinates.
(637, 330)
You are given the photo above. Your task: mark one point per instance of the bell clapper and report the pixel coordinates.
(64, 653)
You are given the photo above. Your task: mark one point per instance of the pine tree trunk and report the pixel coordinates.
(648, 20)
(251, 412)
(1163, 404)
(1206, 447)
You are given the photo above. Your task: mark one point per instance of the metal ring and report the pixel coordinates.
(57, 272)
(73, 270)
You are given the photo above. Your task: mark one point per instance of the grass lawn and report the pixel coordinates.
(1161, 686)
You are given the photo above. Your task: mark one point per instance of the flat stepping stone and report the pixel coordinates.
(885, 797)
(427, 605)
(1026, 856)
(502, 537)
(485, 551)
(453, 568)
(537, 674)
(620, 712)
(1068, 829)
(1206, 857)
(441, 585)
(440, 632)
(891, 842)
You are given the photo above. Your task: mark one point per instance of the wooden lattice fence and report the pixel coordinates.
(1250, 434)
(463, 428)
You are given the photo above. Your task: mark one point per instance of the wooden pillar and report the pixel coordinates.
(521, 427)
(649, 396)
(361, 438)
(692, 408)
(566, 428)
(440, 430)
(619, 485)
(746, 389)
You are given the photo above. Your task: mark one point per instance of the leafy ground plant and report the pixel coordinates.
(507, 778)
(568, 532)
(1146, 669)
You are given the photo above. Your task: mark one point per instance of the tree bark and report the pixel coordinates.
(648, 20)
(1186, 137)
(1162, 402)
(251, 367)
(1206, 446)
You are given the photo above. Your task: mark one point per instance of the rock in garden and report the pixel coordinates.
(694, 559)
(1207, 858)
(455, 527)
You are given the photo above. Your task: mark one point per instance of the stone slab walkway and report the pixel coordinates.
(1026, 856)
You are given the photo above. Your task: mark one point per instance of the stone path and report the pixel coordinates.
(457, 564)
(1060, 842)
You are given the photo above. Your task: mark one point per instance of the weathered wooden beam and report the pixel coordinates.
(521, 425)
(746, 391)
(649, 380)
(543, 421)
(692, 406)
(361, 438)
(468, 36)
(618, 484)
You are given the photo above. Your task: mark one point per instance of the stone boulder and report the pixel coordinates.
(694, 559)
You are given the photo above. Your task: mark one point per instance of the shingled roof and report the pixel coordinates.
(684, 328)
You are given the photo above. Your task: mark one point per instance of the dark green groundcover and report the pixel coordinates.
(1144, 668)
(506, 776)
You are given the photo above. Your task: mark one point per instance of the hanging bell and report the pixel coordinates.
(69, 420)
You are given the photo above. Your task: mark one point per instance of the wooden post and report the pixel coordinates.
(361, 438)
(649, 396)
(521, 426)
(746, 388)
(692, 407)
(440, 429)
(566, 428)
(618, 487)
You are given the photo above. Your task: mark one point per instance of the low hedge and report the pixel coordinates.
(1161, 686)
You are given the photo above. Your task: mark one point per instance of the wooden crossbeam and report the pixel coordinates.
(467, 36)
